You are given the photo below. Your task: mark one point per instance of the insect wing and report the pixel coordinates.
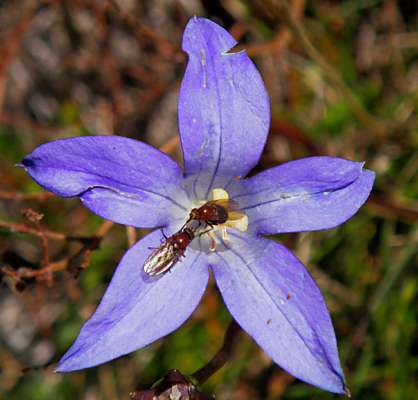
(235, 215)
(225, 203)
(160, 260)
(231, 206)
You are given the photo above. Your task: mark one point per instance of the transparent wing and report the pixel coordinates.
(235, 215)
(160, 260)
(231, 206)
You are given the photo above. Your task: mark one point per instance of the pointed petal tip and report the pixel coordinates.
(371, 173)
(69, 363)
(334, 383)
(124, 320)
(26, 163)
(59, 369)
(63, 365)
(101, 170)
(342, 388)
(307, 348)
(64, 370)
(200, 31)
(363, 170)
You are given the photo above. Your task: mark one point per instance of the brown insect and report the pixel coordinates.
(164, 257)
(212, 213)
(216, 212)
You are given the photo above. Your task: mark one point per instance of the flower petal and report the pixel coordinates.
(272, 296)
(120, 179)
(138, 309)
(303, 195)
(224, 112)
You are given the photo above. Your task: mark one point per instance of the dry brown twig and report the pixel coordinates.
(21, 276)
(35, 218)
(24, 228)
(17, 196)
(131, 235)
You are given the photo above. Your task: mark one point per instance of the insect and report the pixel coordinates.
(215, 212)
(164, 257)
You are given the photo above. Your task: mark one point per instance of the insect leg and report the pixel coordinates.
(207, 231)
(211, 236)
(225, 236)
(165, 236)
(211, 227)
(212, 241)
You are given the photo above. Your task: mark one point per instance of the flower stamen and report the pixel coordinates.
(219, 213)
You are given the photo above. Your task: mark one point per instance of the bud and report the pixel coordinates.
(174, 386)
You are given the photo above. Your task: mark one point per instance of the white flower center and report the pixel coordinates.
(218, 206)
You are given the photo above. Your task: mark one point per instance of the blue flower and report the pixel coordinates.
(223, 119)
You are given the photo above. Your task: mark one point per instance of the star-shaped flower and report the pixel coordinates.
(223, 120)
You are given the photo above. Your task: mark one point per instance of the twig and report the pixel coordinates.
(74, 264)
(222, 356)
(23, 228)
(294, 134)
(170, 145)
(6, 195)
(131, 235)
(36, 218)
(28, 273)
(103, 228)
(390, 208)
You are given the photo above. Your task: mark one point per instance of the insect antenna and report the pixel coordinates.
(165, 236)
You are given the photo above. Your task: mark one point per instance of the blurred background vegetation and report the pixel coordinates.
(343, 81)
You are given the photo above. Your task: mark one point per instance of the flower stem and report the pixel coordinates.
(222, 356)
